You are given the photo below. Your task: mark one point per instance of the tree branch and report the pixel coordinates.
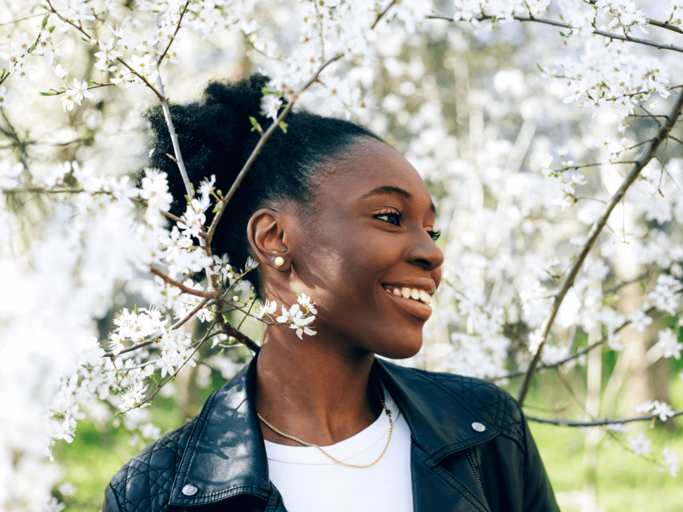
(571, 357)
(238, 335)
(560, 24)
(154, 90)
(597, 423)
(677, 140)
(90, 40)
(190, 314)
(137, 346)
(186, 289)
(171, 377)
(593, 236)
(665, 25)
(619, 286)
(381, 14)
(161, 58)
(169, 122)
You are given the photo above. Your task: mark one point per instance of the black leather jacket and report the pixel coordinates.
(218, 460)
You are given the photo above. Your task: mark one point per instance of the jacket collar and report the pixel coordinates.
(225, 455)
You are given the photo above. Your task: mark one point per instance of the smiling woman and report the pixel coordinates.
(319, 423)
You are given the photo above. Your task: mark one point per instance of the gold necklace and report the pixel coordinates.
(310, 445)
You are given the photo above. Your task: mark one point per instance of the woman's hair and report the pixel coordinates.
(216, 137)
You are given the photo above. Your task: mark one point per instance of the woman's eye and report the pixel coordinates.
(390, 217)
(434, 234)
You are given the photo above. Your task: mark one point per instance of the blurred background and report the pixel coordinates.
(474, 110)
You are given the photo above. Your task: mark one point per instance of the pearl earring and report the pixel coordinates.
(279, 261)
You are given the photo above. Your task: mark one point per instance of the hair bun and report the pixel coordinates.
(214, 133)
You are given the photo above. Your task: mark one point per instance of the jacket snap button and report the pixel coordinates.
(190, 490)
(478, 427)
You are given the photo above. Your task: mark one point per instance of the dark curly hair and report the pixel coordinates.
(216, 137)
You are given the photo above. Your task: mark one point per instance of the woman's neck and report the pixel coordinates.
(309, 390)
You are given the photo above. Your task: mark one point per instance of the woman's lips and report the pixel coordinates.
(413, 300)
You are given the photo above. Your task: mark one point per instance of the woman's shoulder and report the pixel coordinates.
(482, 398)
(145, 481)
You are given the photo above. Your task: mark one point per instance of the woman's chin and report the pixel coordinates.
(400, 349)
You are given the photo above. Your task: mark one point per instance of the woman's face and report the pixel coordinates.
(366, 255)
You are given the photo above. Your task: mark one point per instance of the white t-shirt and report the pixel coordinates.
(310, 482)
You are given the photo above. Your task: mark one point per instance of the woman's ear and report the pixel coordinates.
(267, 239)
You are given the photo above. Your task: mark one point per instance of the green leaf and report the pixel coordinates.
(539, 67)
(255, 126)
(283, 126)
(44, 22)
(137, 311)
(46, 94)
(562, 34)
(265, 91)
(51, 29)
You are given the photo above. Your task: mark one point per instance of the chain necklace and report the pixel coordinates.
(310, 445)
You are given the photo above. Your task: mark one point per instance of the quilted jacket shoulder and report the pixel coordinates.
(485, 400)
(145, 482)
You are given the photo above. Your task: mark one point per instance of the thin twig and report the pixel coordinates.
(247, 314)
(597, 423)
(161, 58)
(142, 365)
(190, 314)
(169, 123)
(171, 377)
(21, 19)
(154, 90)
(238, 335)
(137, 346)
(665, 25)
(57, 93)
(90, 39)
(560, 24)
(571, 357)
(186, 289)
(381, 14)
(619, 286)
(80, 29)
(651, 115)
(593, 236)
(659, 123)
(674, 138)
(38, 190)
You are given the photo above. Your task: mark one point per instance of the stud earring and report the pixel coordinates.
(279, 261)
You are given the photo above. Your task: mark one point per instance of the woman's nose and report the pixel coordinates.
(425, 252)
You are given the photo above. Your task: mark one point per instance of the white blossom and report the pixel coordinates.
(640, 444)
(669, 344)
(671, 461)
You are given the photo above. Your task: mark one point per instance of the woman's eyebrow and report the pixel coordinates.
(388, 190)
(395, 191)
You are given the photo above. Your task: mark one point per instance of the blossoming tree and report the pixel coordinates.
(556, 177)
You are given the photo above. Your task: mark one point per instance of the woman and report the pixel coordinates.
(320, 424)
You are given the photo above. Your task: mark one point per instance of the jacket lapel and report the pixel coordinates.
(441, 425)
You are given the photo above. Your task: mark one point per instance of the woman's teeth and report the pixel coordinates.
(410, 293)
